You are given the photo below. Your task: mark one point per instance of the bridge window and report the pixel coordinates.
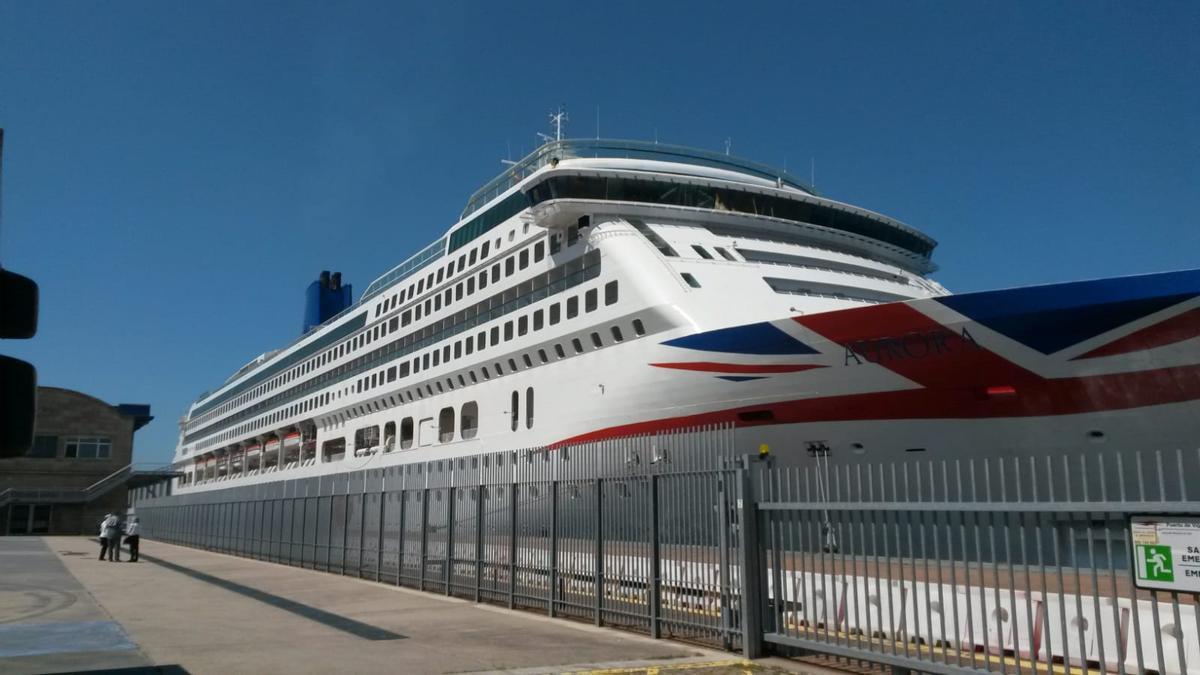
(703, 253)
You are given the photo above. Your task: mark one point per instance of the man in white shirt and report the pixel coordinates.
(112, 533)
(104, 535)
(131, 538)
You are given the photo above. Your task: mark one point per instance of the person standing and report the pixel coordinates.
(104, 535)
(131, 538)
(112, 532)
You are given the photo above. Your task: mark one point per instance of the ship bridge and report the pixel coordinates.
(554, 151)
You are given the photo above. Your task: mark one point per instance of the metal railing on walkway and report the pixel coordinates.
(1012, 565)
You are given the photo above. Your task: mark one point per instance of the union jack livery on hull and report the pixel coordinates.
(605, 288)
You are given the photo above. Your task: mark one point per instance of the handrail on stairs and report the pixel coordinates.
(87, 494)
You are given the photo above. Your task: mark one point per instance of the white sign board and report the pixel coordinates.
(1166, 552)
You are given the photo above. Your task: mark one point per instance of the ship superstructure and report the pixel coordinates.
(602, 288)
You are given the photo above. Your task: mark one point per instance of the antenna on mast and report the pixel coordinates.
(557, 119)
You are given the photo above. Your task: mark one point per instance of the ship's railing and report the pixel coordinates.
(626, 149)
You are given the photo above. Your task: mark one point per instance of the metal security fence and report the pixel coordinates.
(1003, 564)
(640, 533)
(1008, 564)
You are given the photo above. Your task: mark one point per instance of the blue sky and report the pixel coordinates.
(176, 173)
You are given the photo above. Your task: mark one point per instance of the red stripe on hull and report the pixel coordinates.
(713, 367)
(1067, 396)
(1176, 329)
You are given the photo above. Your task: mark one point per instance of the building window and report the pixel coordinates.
(577, 345)
(524, 259)
(538, 319)
(558, 351)
(509, 267)
(638, 327)
(596, 341)
(616, 333)
(44, 447)
(539, 251)
(514, 410)
(590, 301)
(555, 314)
(573, 307)
(529, 408)
(610, 292)
(542, 356)
(691, 280)
(522, 325)
(446, 425)
(470, 419)
(88, 448)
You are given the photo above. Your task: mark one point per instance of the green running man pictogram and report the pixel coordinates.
(1157, 561)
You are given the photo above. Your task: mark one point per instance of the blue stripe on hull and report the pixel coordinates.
(1051, 318)
(755, 338)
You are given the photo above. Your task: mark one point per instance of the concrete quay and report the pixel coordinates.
(181, 610)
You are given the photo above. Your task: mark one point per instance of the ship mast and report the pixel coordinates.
(557, 121)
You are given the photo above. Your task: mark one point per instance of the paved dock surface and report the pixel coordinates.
(185, 610)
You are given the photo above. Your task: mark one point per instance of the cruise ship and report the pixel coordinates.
(599, 289)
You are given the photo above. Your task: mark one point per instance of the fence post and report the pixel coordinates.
(655, 599)
(512, 544)
(400, 537)
(362, 526)
(598, 565)
(379, 528)
(424, 536)
(552, 576)
(451, 495)
(752, 576)
(479, 541)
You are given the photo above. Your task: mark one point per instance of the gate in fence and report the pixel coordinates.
(1008, 565)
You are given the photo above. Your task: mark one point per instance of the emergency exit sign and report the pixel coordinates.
(1166, 553)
